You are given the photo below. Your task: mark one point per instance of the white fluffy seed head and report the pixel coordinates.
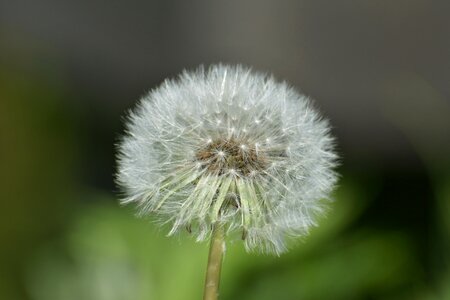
(230, 145)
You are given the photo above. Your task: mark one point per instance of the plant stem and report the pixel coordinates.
(216, 251)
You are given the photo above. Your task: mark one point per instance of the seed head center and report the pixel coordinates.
(224, 156)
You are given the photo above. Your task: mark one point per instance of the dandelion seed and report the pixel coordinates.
(231, 146)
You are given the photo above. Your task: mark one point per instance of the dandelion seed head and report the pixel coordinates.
(231, 145)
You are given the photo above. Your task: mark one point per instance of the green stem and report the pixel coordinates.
(216, 250)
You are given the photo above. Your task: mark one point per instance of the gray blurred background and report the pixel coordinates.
(359, 59)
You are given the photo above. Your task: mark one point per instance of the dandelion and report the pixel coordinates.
(228, 151)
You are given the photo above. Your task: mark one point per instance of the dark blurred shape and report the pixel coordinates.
(37, 156)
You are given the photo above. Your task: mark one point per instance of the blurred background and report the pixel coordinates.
(379, 70)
